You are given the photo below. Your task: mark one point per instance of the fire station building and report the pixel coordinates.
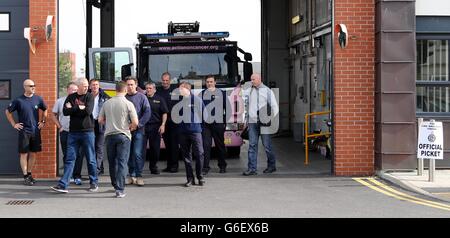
(377, 65)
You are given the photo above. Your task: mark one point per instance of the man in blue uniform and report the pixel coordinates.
(189, 119)
(29, 127)
(214, 128)
(170, 136)
(155, 127)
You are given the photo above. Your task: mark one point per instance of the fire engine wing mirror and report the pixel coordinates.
(126, 71)
(248, 57)
(248, 71)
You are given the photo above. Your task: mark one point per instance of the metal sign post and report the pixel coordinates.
(431, 170)
(430, 144)
(419, 160)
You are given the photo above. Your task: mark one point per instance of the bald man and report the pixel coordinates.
(262, 108)
(79, 107)
(29, 127)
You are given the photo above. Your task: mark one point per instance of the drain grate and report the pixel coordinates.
(20, 202)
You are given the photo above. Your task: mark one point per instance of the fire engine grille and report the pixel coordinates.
(20, 202)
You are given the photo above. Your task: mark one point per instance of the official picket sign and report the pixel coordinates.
(431, 141)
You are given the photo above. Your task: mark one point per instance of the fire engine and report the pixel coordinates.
(188, 55)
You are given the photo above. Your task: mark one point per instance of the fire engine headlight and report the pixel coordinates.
(232, 127)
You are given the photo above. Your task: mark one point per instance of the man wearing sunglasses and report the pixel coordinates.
(29, 126)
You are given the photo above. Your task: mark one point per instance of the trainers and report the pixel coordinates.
(269, 170)
(58, 188)
(93, 188)
(120, 194)
(78, 181)
(205, 171)
(189, 183)
(249, 173)
(32, 179)
(201, 182)
(27, 181)
(140, 182)
(131, 180)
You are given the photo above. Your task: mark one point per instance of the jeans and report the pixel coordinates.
(137, 161)
(254, 131)
(118, 151)
(99, 145)
(192, 142)
(76, 141)
(63, 135)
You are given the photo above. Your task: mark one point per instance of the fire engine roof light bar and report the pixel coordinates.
(187, 35)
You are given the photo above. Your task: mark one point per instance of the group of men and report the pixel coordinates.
(88, 119)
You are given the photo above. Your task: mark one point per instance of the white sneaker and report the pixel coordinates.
(120, 194)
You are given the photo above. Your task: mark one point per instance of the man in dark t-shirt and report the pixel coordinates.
(79, 107)
(29, 127)
(170, 136)
(155, 127)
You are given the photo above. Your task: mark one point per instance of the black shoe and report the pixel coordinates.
(269, 170)
(27, 181)
(59, 189)
(166, 170)
(222, 170)
(205, 171)
(249, 173)
(201, 182)
(170, 170)
(32, 179)
(154, 171)
(189, 183)
(173, 170)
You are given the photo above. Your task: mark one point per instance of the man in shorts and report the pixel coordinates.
(29, 127)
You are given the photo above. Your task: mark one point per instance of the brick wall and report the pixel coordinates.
(354, 85)
(43, 70)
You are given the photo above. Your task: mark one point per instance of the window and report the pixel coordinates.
(108, 65)
(5, 25)
(433, 81)
(5, 89)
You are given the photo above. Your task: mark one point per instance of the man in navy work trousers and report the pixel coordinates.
(79, 107)
(170, 136)
(189, 120)
(155, 127)
(214, 127)
(29, 127)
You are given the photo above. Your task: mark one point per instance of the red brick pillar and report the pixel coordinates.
(354, 89)
(43, 71)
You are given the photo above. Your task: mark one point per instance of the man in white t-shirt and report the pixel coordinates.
(61, 121)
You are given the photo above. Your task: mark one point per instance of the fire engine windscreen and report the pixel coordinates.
(189, 67)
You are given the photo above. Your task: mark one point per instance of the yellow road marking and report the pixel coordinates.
(401, 196)
(405, 195)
